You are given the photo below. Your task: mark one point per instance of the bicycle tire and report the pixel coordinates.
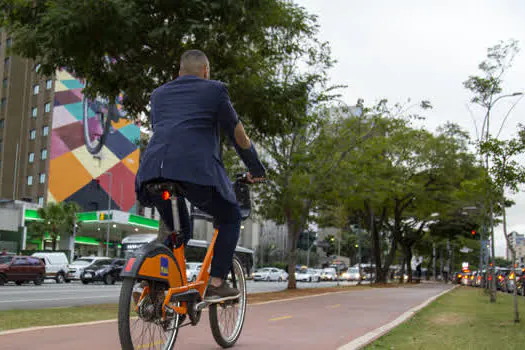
(124, 326)
(227, 342)
(94, 149)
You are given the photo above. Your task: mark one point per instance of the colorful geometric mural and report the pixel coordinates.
(74, 173)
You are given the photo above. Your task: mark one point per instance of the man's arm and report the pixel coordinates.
(230, 123)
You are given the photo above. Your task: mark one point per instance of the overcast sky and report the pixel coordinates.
(425, 50)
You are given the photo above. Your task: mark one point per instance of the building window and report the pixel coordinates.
(29, 180)
(3, 103)
(43, 154)
(32, 134)
(47, 107)
(1, 144)
(2, 123)
(8, 42)
(31, 157)
(34, 112)
(45, 130)
(49, 84)
(41, 201)
(7, 60)
(36, 89)
(43, 178)
(4, 82)
(37, 67)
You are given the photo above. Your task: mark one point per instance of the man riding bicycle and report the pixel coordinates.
(185, 147)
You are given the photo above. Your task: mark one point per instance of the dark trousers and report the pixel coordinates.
(227, 218)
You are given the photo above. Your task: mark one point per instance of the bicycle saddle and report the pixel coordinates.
(158, 188)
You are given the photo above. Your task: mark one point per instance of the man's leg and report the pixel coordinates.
(227, 217)
(166, 222)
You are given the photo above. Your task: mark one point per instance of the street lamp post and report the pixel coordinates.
(109, 209)
(486, 123)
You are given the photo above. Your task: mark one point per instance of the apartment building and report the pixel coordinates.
(42, 153)
(25, 127)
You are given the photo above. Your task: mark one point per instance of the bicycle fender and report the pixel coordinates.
(153, 261)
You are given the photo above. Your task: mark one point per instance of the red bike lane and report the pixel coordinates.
(319, 322)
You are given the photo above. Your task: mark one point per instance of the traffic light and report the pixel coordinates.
(357, 245)
(473, 232)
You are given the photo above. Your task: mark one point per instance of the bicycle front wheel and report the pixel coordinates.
(227, 318)
(140, 323)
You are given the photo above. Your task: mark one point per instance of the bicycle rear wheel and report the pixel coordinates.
(227, 318)
(144, 328)
(96, 121)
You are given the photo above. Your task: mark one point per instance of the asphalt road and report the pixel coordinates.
(51, 294)
(321, 322)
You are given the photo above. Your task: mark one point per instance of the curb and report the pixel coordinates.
(371, 336)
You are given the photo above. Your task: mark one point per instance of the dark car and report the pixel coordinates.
(103, 271)
(20, 269)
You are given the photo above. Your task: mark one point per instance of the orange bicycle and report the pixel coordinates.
(156, 297)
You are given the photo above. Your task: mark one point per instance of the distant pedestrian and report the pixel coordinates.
(4, 251)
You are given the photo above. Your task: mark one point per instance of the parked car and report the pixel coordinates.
(56, 265)
(351, 274)
(78, 266)
(307, 275)
(329, 274)
(270, 274)
(20, 269)
(192, 270)
(103, 270)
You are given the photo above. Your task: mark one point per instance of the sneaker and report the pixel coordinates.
(221, 293)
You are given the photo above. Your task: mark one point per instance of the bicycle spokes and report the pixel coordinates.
(148, 329)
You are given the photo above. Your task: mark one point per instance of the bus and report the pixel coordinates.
(195, 250)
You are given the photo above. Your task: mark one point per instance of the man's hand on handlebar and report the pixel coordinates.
(252, 180)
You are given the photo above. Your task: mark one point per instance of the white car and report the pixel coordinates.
(352, 274)
(56, 265)
(329, 274)
(307, 275)
(192, 270)
(270, 274)
(77, 267)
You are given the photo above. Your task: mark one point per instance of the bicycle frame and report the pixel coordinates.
(200, 283)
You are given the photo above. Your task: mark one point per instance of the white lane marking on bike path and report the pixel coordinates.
(377, 333)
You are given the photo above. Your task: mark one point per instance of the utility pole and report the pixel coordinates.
(109, 210)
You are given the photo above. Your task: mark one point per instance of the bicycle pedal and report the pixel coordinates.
(201, 305)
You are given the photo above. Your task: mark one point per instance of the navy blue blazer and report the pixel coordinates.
(186, 114)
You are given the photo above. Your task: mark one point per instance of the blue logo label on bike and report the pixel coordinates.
(163, 266)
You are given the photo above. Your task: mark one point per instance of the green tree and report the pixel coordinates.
(57, 219)
(507, 174)
(301, 161)
(487, 90)
(248, 43)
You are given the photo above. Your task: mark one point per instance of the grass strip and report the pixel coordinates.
(461, 319)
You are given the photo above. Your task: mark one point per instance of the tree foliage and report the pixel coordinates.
(57, 219)
(133, 46)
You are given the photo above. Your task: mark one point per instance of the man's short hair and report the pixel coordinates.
(191, 61)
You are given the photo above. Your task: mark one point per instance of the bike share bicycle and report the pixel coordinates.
(156, 293)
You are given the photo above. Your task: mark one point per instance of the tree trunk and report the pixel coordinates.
(292, 256)
(376, 247)
(493, 254)
(408, 254)
(54, 243)
(402, 272)
(513, 254)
